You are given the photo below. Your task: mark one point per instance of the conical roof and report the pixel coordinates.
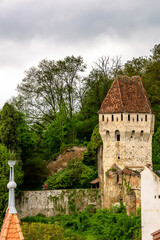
(126, 94)
(11, 229)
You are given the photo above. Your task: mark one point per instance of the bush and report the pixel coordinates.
(43, 231)
(90, 156)
(76, 175)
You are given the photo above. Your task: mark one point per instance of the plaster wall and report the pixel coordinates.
(150, 203)
(52, 202)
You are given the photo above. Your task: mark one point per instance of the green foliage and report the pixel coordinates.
(103, 224)
(43, 231)
(5, 155)
(76, 175)
(90, 156)
(9, 128)
(35, 173)
(156, 150)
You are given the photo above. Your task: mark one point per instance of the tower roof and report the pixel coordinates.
(126, 94)
(11, 229)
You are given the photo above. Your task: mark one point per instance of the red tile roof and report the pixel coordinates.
(156, 235)
(11, 229)
(126, 94)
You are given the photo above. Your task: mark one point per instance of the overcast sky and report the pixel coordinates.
(31, 30)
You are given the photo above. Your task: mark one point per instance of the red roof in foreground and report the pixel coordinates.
(126, 94)
(11, 229)
(156, 235)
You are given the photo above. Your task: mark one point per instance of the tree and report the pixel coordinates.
(97, 84)
(9, 128)
(135, 67)
(49, 86)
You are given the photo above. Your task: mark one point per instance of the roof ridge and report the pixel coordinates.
(120, 93)
(145, 94)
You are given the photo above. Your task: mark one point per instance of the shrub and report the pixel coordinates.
(43, 231)
(76, 175)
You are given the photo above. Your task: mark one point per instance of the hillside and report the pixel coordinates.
(66, 155)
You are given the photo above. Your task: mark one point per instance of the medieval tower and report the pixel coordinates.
(126, 125)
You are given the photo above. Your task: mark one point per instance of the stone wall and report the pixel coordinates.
(52, 202)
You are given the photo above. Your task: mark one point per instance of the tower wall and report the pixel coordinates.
(133, 147)
(127, 142)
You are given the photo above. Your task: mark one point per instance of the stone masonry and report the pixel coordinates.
(52, 202)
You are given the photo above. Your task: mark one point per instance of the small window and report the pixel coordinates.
(118, 156)
(142, 119)
(102, 117)
(158, 196)
(121, 117)
(133, 134)
(107, 134)
(129, 118)
(117, 135)
(155, 196)
(146, 118)
(137, 117)
(141, 134)
(117, 177)
(112, 117)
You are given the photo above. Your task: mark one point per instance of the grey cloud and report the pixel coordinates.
(73, 21)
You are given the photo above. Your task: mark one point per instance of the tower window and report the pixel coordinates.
(133, 134)
(107, 134)
(146, 118)
(118, 156)
(141, 133)
(102, 117)
(117, 134)
(121, 117)
(129, 118)
(117, 177)
(118, 137)
(137, 117)
(112, 117)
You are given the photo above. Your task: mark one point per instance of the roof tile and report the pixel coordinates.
(126, 94)
(11, 229)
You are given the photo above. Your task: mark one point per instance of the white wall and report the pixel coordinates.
(150, 203)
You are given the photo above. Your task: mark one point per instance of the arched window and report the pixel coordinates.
(117, 135)
(107, 134)
(141, 133)
(133, 134)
